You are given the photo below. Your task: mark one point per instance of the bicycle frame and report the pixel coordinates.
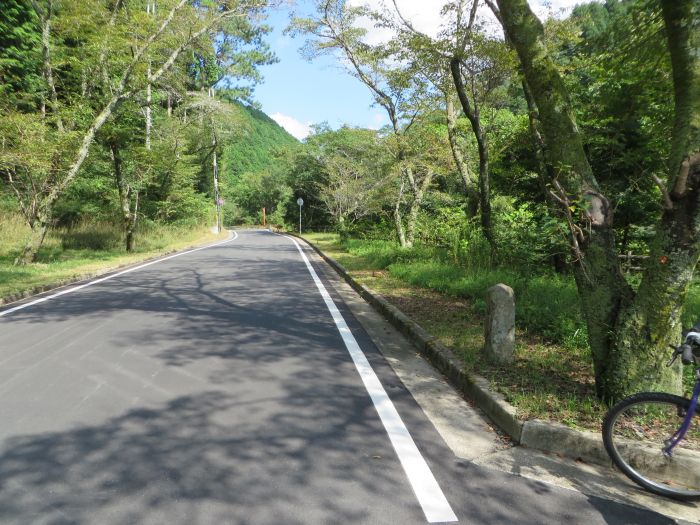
(681, 432)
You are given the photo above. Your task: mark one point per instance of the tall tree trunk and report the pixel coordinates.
(217, 195)
(418, 191)
(149, 120)
(628, 333)
(150, 10)
(126, 193)
(472, 114)
(39, 227)
(469, 185)
(398, 219)
(653, 320)
(343, 231)
(45, 16)
(601, 285)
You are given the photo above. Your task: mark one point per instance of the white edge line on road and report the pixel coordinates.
(112, 276)
(430, 496)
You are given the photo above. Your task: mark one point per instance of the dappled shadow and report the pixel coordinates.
(247, 406)
(228, 397)
(205, 458)
(617, 499)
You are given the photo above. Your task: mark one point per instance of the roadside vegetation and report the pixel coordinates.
(122, 124)
(551, 377)
(560, 158)
(84, 250)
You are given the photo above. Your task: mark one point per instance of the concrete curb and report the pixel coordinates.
(37, 290)
(536, 434)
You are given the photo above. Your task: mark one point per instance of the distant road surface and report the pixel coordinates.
(231, 384)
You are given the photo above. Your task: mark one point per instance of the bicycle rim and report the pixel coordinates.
(635, 431)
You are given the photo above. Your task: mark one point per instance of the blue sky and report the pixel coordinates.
(297, 93)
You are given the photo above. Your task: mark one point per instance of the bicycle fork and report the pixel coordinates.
(670, 443)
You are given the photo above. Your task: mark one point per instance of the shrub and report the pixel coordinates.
(91, 236)
(546, 305)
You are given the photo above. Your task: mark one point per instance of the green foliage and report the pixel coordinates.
(255, 191)
(528, 236)
(95, 104)
(20, 54)
(547, 304)
(256, 150)
(92, 236)
(621, 82)
(253, 170)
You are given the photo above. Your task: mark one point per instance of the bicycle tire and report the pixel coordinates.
(634, 431)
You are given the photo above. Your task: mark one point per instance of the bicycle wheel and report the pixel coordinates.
(634, 434)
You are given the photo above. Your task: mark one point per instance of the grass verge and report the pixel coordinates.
(84, 251)
(551, 377)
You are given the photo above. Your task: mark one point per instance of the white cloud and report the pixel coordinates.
(378, 120)
(294, 127)
(425, 16)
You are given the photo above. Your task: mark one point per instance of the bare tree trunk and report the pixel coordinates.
(462, 167)
(126, 193)
(45, 17)
(40, 226)
(217, 195)
(150, 10)
(472, 114)
(418, 191)
(398, 219)
(149, 121)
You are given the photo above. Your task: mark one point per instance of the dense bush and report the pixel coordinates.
(92, 236)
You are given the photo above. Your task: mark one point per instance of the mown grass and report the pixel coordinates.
(552, 375)
(82, 251)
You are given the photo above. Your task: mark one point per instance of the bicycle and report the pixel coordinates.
(654, 437)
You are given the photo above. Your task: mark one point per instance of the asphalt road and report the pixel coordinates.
(217, 387)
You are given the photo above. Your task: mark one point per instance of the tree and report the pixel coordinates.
(118, 46)
(395, 88)
(629, 331)
(475, 65)
(352, 178)
(20, 57)
(429, 58)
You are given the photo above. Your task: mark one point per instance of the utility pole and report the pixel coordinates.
(216, 187)
(151, 11)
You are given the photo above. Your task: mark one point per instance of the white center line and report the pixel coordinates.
(430, 496)
(103, 279)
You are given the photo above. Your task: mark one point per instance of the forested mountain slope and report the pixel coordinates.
(256, 157)
(258, 148)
